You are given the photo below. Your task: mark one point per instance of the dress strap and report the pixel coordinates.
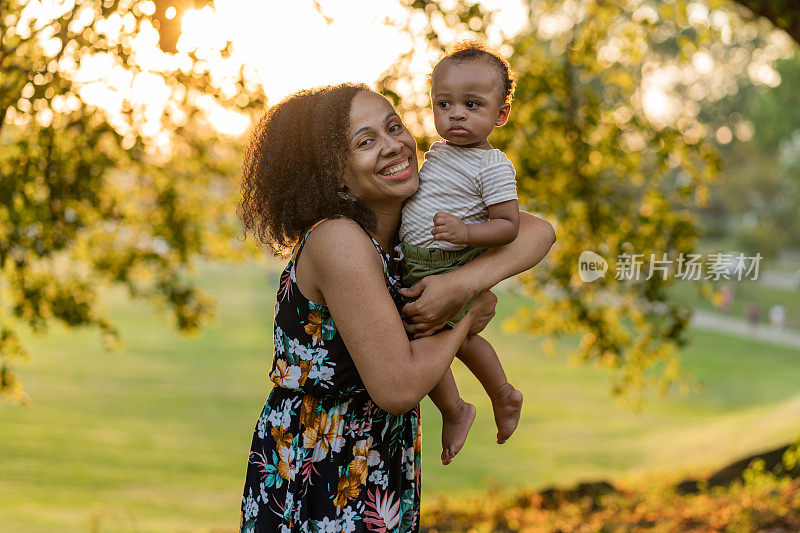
(302, 241)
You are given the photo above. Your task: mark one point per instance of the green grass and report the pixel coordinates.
(155, 438)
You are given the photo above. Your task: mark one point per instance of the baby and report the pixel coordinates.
(466, 202)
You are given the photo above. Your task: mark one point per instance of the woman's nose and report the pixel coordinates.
(392, 145)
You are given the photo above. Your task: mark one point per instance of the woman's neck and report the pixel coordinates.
(388, 220)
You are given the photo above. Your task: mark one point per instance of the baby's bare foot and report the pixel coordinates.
(507, 405)
(455, 427)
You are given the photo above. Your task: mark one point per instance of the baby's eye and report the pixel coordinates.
(472, 105)
(444, 105)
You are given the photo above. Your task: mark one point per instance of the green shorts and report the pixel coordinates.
(421, 262)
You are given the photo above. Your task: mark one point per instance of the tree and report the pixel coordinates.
(784, 14)
(100, 193)
(754, 129)
(167, 20)
(616, 173)
(100, 184)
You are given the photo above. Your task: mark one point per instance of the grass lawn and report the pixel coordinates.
(155, 438)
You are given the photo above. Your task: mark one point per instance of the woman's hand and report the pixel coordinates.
(481, 311)
(443, 295)
(440, 298)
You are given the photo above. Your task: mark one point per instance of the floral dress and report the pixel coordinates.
(324, 457)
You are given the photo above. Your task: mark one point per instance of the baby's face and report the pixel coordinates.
(467, 102)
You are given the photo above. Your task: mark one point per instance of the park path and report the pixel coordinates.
(741, 328)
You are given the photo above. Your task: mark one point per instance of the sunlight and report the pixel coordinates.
(659, 107)
(284, 46)
(290, 46)
(290, 56)
(148, 8)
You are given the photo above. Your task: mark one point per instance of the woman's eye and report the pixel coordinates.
(365, 142)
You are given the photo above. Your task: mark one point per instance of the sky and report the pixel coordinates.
(290, 46)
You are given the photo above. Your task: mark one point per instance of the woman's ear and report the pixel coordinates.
(502, 115)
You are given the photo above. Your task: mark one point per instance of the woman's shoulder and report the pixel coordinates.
(339, 239)
(338, 229)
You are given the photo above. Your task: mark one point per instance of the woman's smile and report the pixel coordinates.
(395, 170)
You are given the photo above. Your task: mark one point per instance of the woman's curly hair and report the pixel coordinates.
(293, 167)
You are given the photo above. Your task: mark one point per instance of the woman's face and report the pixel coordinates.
(381, 164)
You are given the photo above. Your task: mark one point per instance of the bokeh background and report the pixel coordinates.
(135, 323)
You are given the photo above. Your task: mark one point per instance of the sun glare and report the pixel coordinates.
(290, 46)
(284, 46)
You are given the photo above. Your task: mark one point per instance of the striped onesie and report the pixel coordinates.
(461, 181)
(456, 180)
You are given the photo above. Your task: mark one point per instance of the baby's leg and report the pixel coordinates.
(457, 416)
(482, 361)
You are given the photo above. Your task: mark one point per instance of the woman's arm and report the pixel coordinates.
(397, 372)
(443, 295)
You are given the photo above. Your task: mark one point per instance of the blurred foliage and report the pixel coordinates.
(91, 195)
(774, 110)
(759, 499)
(760, 125)
(764, 502)
(614, 182)
(590, 160)
(169, 27)
(785, 14)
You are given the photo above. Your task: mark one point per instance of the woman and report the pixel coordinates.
(337, 445)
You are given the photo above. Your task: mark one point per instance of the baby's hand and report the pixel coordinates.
(449, 228)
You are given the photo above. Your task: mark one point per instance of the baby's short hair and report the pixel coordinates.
(476, 50)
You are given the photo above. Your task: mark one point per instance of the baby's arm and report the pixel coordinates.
(501, 228)
(441, 296)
